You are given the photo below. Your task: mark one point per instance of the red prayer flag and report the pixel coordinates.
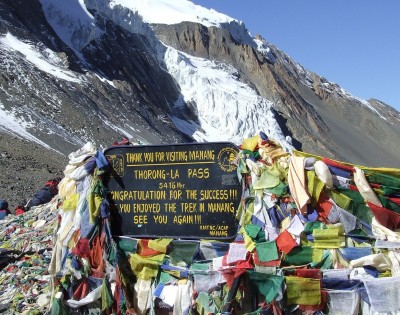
(285, 242)
(384, 216)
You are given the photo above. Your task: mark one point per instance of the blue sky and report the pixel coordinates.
(354, 43)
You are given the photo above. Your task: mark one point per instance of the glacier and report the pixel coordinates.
(228, 110)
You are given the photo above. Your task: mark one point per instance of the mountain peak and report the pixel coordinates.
(173, 12)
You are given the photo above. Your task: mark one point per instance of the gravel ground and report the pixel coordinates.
(25, 167)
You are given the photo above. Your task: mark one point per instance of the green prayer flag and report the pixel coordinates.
(127, 244)
(390, 190)
(205, 304)
(164, 277)
(279, 190)
(357, 206)
(310, 226)
(58, 308)
(106, 297)
(201, 266)
(382, 179)
(255, 154)
(299, 255)
(386, 203)
(252, 230)
(267, 251)
(268, 285)
(183, 251)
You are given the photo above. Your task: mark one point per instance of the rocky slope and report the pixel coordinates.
(97, 71)
(323, 117)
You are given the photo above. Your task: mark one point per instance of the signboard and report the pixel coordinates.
(176, 191)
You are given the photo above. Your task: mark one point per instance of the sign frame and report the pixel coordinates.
(185, 190)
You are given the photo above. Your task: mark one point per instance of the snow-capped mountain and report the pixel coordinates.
(165, 71)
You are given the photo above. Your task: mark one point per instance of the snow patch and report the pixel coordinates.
(17, 126)
(173, 12)
(262, 47)
(117, 129)
(104, 80)
(72, 22)
(363, 102)
(133, 15)
(46, 61)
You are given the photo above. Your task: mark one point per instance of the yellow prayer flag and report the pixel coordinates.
(250, 143)
(160, 244)
(248, 243)
(303, 291)
(71, 202)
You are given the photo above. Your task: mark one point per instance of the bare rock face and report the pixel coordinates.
(320, 90)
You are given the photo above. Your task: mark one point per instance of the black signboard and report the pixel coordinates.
(177, 191)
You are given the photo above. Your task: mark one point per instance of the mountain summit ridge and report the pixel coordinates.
(102, 70)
